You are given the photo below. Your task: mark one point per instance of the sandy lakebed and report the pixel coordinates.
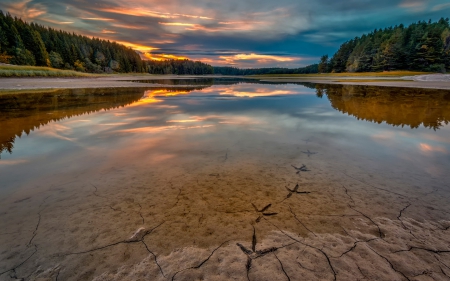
(433, 81)
(240, 181)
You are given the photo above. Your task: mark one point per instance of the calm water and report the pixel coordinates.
(148, 184)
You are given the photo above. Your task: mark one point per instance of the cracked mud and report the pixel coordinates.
(186, 227)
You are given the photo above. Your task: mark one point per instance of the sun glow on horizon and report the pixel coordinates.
(161, 57)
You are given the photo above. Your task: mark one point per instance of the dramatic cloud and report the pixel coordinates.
(285, 33)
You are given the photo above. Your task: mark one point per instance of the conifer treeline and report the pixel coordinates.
(22, 43)
(422, 46)
(227, 70)
(179, 67)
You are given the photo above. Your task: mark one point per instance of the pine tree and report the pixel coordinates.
(323, 64)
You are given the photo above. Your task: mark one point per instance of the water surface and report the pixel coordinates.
(201, 183)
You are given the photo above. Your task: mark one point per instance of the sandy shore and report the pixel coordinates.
(408, 82)
(122, 81)
(422, 81)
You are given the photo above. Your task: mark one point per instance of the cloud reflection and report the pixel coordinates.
(427, 148)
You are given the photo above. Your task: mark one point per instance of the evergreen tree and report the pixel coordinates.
(323, 64)
(423, 46)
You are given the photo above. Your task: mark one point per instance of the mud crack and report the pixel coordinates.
(202, 263)
(295, 216)
(255, 254)
(20, 264)
(390, 263)
(136, 238)
(380, 233)
(282, 267)
(310, 246)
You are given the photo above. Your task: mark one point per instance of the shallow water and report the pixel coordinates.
(200, 183)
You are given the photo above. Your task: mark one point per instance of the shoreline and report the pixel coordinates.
(126, 81)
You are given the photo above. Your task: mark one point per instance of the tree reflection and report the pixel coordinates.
(23, 112)
(411, 107)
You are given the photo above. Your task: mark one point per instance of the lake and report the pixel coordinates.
(225, 179)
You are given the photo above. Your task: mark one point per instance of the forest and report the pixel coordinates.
(23, 43)
(421, 46)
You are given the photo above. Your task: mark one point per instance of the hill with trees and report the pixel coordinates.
(23, 43)
(421, 46)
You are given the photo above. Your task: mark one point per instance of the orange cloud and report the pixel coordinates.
(150, 97)
(105, 31)
(160, 57)
(26, 9)
(98, 19)
(429, 148)
(127, 26)
(441, 7)
(414, 5)
(243, 91)
(258, 93)
(242, 58)
(241, 22)
(200, 27)
(148, 13)
(223, 26)
(254, 56)
(138, 47)
(176, 24)
(55, 21)
(142, 130)
(183, 121)
(13, 162)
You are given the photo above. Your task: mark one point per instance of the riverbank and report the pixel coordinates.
(432, 81)
(428, 81)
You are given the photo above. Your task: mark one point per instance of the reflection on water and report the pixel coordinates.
(24, 112)
(209, 81)
(243, 181)
(395, 106)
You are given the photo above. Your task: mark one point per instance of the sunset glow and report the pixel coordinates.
(160, 57)
(281, 33)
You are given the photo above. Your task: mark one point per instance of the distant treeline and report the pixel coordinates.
(422, 46)
(226, 70)
(179, 67)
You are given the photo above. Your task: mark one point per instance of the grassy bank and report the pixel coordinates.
(37, 71)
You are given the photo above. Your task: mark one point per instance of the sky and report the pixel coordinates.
(239, 33)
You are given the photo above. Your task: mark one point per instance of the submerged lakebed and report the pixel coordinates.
(225, 180)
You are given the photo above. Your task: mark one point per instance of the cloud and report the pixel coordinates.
(298, 29)
(25, 9)
(427, 148)
(441, 7)
(176, 24)
(414, 5)
(98, 19)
